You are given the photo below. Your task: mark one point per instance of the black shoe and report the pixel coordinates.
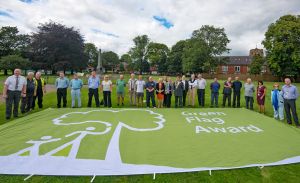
(7, 118)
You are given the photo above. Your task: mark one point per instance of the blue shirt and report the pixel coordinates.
(215, 86)
(76, 84)
(94, 82)
(290, 92)
(62, 82)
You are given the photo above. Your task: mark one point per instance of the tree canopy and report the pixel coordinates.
(59, 47)
(282, 42)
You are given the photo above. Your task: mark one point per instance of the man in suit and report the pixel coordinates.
(178, 92)
(185, 85)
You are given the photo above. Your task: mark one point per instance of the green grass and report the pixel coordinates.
(285, 173)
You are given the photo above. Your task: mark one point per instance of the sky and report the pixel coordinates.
(112, 24)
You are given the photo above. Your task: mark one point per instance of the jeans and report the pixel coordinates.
(150, 95)
(290, 106)
(76, 94)
(107, 98)
(278, 114)
(249, 100)
(214, 99)
(201, 97)
(13, 98)
(167, 100)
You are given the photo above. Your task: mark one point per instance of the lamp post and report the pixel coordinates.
(99, 66)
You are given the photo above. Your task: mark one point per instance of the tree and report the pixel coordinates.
(110, 60)
(12, 43)
(91, 53)
(158, 55)
(256, 64)
(11, 62)
(139, 53)
(122, 68)
(282, 42)
(55, 43)
(125, 58)
(204, 49)
(175, 57)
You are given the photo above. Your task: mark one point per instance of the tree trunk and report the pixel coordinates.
(5, 72)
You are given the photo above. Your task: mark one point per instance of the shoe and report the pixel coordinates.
(7, 118)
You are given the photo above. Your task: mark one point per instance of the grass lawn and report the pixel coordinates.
(286, 173)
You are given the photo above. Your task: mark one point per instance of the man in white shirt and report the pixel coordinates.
(140, 86)
(201, 84)
(132, 89)
(14, 88)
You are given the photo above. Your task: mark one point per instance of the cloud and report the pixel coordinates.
(119, 21)
(5, 14)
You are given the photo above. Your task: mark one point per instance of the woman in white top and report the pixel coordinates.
(106, 87)
(192, 90)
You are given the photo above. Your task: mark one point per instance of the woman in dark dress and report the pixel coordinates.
(260, 96)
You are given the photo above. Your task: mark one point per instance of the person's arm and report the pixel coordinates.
(5, 91)
(111, 86)
(44, 87)
(101, 87)
(296, 93)
(67, 82)
(56, 83)
(71, 83)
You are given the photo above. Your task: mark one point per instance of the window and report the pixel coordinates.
(264, 69)
(224, 68)
(237, 68)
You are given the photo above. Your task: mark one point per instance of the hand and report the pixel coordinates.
(34, 94)
(45, 92)
(23, 95)
(4, 95)
(261, 98)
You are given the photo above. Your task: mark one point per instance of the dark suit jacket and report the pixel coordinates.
(186, 86)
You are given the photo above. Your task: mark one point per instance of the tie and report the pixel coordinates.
(17, 82)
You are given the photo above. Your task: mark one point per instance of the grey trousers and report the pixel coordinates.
(290, 106)
(13, 98)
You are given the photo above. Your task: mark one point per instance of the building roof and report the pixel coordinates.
(239, 60)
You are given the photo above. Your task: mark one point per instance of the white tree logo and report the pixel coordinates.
(113, 152)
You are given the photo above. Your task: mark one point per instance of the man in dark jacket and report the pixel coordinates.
(236, 86)
(178, 91)
(185, 84)
(227, 92)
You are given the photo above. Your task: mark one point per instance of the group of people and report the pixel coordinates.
(28, 90)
